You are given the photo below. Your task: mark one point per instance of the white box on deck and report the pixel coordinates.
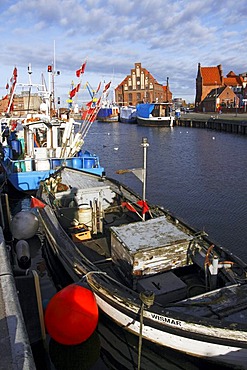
(145, 248)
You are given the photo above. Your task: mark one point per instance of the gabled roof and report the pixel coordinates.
(231, 74)
(215, 93)
(232, 79)
(211, 75)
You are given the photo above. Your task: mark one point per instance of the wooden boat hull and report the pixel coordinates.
(210, 324)
(128, 120)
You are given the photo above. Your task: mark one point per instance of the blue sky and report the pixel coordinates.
(168, 37)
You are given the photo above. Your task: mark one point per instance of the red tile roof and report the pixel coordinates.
(210, 75)
(232, 79)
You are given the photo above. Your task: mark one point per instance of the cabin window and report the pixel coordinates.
(60, 137)
(40, 138)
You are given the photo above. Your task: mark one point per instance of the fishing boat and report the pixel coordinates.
(37, 146)
(109, 111)
(127, 114)
(154, 114)
(34, 145)
(108, 114)
(151, 273)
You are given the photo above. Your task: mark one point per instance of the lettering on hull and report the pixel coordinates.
(165, 319)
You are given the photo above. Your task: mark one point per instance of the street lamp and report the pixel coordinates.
(216, 95)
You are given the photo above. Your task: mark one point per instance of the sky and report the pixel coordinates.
(168, 37)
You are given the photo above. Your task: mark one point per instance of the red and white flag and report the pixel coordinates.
(74, 91)
(107, 87)
(98, 88)
(81, 70)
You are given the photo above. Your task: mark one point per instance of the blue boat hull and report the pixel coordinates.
(24, 177)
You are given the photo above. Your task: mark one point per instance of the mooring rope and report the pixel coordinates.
(147, 299)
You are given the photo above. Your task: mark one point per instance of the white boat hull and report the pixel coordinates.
(234, 356)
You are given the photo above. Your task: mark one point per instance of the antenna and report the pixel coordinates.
(29, 69)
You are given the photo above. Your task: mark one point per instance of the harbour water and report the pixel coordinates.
(197, 174)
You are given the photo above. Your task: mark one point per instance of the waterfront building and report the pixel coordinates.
(22, 104)
(214, 91)
(220, 98)
(141, 87)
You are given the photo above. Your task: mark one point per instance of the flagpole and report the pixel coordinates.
(145, 145)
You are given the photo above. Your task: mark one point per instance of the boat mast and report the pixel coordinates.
(53, 78)
(29, 69)
(145, 145)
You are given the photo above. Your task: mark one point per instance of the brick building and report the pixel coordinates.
(220, 98)
(141, 87)
(213, 90)
(22, 104)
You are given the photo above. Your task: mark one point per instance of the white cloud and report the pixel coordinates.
(168, 37)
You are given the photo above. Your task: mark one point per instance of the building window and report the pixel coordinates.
(138, 71)
(142, 81)
(146, 81)
(134, 81)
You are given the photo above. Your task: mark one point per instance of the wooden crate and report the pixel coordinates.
(80, 233)
(150, 247)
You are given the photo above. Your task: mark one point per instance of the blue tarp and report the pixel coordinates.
(144, 110)
(104, 112)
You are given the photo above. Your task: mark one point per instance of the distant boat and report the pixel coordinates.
(108, 114)
(150, 272)
(127, 114)
(109, 111)
(154, 114)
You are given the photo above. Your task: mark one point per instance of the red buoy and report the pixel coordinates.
(71, 315)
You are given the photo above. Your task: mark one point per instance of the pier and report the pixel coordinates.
(232, 123)
(15, 349)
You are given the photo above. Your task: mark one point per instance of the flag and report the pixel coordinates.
(15, 74)
(78, 87)
(36, 203)
(98, 102)
(81, 70)
(7, 86)
(107, 87)
(129, 206)
(74, 91)
(144, 205)
(98, 87)
(13, 80)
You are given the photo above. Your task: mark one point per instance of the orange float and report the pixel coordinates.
(71, 316)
